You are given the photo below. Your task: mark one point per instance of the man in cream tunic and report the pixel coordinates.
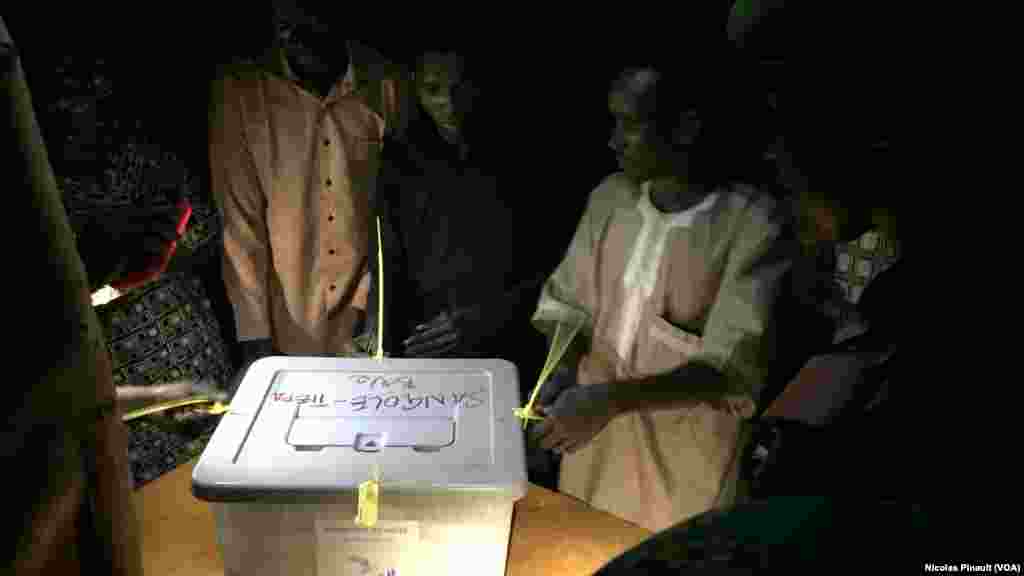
(673, 276)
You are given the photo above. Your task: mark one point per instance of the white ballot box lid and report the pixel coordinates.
(319, 426)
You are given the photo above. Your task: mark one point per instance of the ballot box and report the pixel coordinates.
(283, 469)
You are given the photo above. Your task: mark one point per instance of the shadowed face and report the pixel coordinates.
(641, 153)
(443, 92)
(821, 216)
(317, 56)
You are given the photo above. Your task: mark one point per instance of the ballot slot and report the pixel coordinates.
(315, 427)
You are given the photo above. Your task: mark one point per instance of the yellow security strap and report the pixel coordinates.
(380, 295)
(215, 408)
(559, 344)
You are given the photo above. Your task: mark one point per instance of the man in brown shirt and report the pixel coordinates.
(294, 149)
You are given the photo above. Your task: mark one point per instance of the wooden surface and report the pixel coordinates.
(551, 533)
(178, 536)
(555, 534)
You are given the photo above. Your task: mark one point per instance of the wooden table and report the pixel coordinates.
(551, 533)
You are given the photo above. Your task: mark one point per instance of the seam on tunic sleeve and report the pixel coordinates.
(739, 335)
(561, 303)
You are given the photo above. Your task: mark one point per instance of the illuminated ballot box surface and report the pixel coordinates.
(283, 468)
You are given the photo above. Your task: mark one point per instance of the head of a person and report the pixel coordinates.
(826, 207)
(836, 120)
(652, 129)
(836, 160)
(303, 32)
(444, 90)
(673, 121)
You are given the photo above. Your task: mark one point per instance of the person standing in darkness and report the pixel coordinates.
(294, 144)
(454, 286)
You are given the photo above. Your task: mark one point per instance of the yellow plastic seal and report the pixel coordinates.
(559, 345)
(368, 503)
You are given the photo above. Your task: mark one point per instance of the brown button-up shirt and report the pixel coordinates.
(293, 174)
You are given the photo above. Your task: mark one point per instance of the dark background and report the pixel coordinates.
(544, 84)
(551, 89)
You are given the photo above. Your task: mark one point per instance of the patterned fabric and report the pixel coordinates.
(858, 262)
(109, 160)
(164, 331)
(161, 332)
(845, 271)
(832, 279)
(105, 158)
(159, 444)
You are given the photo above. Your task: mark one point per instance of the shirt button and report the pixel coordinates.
(331, 252)
(332, 287)
(327, 142)
(330, 218)
(328, 181)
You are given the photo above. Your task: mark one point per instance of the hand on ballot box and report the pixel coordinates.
(576, 417)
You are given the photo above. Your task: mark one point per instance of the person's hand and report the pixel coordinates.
(186, 388)
(579, 414)
(207, 387)
(172, 391)
(175, 390)
(128, 240)
(448, 334)
(563, 378)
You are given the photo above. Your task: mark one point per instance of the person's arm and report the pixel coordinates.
(396, 100)
(63, 428)
(241, 200)
(568, 296)
(728, 371)
(126, 245)
(692, 384)
(389, 92)
(738, 337)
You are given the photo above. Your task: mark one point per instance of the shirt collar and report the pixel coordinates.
(646, 204)
(343, 87)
